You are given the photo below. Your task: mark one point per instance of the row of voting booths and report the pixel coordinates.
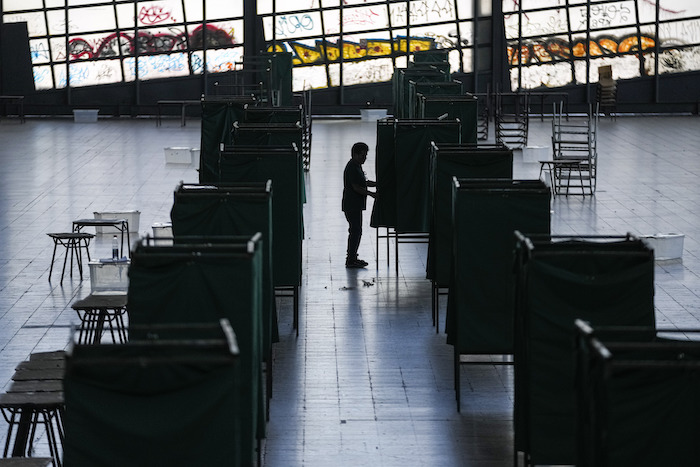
(595, 383)
(429, 107)
(196, 371)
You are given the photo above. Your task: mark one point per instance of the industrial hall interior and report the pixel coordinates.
(200, 265)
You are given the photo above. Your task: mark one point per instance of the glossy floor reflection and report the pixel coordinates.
(368, 381)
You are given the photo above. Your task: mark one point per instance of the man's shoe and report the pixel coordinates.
(362, 263)
(354, 263)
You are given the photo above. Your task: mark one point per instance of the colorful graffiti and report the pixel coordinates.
(326, 51)
(122, 44)
(551, 50)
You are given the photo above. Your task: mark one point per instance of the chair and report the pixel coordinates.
(512, 120)
(575, 153)
(73, 242)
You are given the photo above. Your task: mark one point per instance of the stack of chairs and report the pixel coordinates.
(573, 168)
(512, 119)
(606, 90)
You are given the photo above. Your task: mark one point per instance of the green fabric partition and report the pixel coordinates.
(417, 89)
(384, 206)
(412, 139)
(463, 108)
(280, 77)
(642, 399)
(232, 209)
(151, 404)
(462, 161)
(273, 134)
(399, 83)
(279, 164)
(200, 283)
(605, 281)
(218, 117)
(291, 114)
(481, 296)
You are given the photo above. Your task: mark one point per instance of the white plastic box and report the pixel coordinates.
(132, 217)
(665, 246)
(109, 277)
(163, 233)
(195, 156)
(178, 155)
(85, 115)
(372, 115)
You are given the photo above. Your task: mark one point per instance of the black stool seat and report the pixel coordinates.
(73, 242)
(95, 311)
(26, 462)
(23, 412)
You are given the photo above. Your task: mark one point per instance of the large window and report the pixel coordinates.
(87, 42)
(557, 42)
(347, 42)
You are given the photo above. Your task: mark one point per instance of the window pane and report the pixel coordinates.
(363, 18)
(368, 71)
(39, 50)
(222, 60)
(93, 73)
(161, 66)
(608, 15)
(217, 8)
(42, 77)
(36, 24)
(293, 26)
(14, 5)
(309, 77)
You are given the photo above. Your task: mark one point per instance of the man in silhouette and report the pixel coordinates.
(355, 201)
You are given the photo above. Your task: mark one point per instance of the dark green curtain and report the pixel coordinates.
(482, 292)
(218, 116)
(418, 89)
(399, 82)
(644, 405)
(603, 282)
(464, 108)
(129, 405)
(462, 161)
(412, 139)
(384, 206)
(281, 165)
(232, 210)
(273, 114)
(273, 135)
(200, 283)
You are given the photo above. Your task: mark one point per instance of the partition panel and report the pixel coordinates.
(412, 139)
(606, 281)
(461, 161)
(199, 283)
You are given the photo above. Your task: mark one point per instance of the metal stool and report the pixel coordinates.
(73, 243)
(35, 398)
(97, 310)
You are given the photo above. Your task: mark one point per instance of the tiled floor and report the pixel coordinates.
(368, 381)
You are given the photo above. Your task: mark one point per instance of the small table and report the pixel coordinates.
(97, 309)
(122, 225)
(183, 105)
